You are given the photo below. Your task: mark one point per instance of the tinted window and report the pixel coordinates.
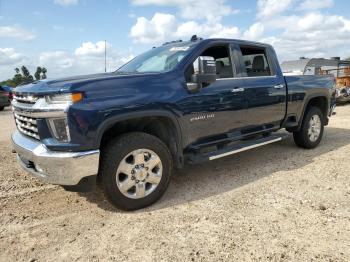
(255, 61)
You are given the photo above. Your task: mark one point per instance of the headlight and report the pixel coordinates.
(64, 98)
(59, 129)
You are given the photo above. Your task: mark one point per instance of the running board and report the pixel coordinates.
(243, 146)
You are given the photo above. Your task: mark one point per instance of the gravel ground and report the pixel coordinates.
(276, 203)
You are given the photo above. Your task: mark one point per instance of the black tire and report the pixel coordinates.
(1, 108)
(115, 152)
(301, 137)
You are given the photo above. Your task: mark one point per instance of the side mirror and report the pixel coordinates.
(204, 73)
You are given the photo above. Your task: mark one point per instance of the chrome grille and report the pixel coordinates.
(27, 125)
(27, 99)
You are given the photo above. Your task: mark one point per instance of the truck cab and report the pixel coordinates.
(182, 102)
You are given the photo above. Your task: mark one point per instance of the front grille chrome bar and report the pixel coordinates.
(25, 99)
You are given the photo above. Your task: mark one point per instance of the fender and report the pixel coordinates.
(309, 97)
(108, 123)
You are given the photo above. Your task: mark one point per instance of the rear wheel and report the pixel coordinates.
(311, 131)
(1, 108)
(135, 170)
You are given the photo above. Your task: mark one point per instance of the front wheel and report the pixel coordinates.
(1, 108)
(311, 131)
(135, 170)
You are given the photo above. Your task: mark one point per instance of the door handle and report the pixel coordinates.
(278, 86)
(236, 90)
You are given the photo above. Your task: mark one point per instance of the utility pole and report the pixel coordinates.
(105, 56)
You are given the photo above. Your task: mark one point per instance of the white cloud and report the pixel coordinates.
(212, 10)
(310, 35)
(315, 4)
(158, 2)
(16, 31)
(163, 27)
(154, 30)
(59, 59)
(66, 2)
(255, 31)
(268, 8)
(87, 58)
(8, 56)
(9, 60)
(91, 49)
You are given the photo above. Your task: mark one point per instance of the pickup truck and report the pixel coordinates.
(182, 102)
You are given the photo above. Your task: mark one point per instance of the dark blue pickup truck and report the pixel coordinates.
(181, 102)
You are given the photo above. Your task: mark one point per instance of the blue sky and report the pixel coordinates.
(66, 36)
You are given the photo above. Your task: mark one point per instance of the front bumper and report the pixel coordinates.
(61, 168)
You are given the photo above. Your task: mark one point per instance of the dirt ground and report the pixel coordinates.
(275, 203)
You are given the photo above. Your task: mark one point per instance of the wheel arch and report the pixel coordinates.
(319, 100)
(160, 123)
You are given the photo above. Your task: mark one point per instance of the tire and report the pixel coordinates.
(305, 138)
(126, 153)
(1, 108)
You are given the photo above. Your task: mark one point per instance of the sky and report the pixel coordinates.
(67, 36)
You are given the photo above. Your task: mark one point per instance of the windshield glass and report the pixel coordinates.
(158, 59)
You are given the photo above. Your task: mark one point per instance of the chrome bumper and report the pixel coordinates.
(61, 168)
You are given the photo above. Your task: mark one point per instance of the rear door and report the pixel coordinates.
(264, 88)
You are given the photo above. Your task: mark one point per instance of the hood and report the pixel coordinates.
(74, 83)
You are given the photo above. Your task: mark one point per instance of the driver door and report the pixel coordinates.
(218, 108)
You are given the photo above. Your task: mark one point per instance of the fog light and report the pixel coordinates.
(59, 129)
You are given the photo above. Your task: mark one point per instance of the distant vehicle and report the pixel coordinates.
(5, 97)
(191, 101)
(340, 69)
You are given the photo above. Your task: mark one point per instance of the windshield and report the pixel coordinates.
(157, 60)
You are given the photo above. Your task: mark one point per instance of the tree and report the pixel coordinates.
(23, 76)
(17, 78)
(38, 73)
(26, 74)
(44, 71)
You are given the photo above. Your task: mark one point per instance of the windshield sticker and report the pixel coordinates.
(179, 48)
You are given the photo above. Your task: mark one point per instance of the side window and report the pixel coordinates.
(223, 61)
(221, 54)
(255, 61)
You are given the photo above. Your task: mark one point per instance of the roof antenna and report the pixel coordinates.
(105, 56)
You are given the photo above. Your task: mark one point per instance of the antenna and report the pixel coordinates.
(105, 56)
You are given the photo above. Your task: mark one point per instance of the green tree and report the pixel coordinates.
(26, 74)
(38, 73)
(17, 78)
(44, 71)
(23, 76)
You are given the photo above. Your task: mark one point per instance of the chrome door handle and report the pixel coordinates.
(236, 90)
(278, 86)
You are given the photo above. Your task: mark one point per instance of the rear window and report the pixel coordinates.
(255, 61)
